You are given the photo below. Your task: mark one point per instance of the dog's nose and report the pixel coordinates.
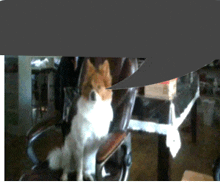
(93, 96)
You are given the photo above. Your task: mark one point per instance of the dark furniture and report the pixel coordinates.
(115, 154)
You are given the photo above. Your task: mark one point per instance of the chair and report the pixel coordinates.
(115, 153)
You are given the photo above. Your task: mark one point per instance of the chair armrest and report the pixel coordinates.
(40, 127)
(110, 146)
(38, 131)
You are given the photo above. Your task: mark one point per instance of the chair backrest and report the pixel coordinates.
(66, 76)
(123, 99)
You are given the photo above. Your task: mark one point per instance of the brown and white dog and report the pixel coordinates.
(89, 127)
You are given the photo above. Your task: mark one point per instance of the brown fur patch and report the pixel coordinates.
(97, 80)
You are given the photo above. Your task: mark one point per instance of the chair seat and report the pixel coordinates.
(41, 172)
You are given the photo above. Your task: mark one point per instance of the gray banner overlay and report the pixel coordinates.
(176, 37)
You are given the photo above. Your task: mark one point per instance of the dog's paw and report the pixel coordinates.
(64, 177)
(88, 177)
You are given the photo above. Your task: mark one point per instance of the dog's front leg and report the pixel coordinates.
(66, 161)
(79, 162)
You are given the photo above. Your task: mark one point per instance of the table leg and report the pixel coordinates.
(163, 151)
(163, 159)
(193, 121)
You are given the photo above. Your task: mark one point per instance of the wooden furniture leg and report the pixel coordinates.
(193, 121)
(163, 153)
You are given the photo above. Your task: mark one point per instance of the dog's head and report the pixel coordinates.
(96, 81)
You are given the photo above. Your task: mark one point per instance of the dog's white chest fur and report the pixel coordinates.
(92, 120)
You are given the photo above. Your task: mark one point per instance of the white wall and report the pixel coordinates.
(24, 98)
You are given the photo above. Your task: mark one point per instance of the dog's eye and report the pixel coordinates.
(99, 87)
(90, 86)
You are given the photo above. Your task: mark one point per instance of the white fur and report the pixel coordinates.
(55, 158)
(88, 131)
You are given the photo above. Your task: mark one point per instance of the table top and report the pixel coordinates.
(186, 91)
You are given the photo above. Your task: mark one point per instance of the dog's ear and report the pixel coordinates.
(104, 69)
(90, 69)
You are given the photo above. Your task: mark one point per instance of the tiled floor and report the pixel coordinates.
(198, 157)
